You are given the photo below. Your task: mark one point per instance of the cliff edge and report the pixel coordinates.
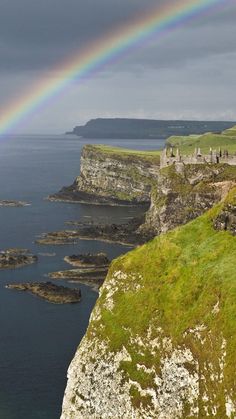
(184, 192)
(161, 339)
(114, 176)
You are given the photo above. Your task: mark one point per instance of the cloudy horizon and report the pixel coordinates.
(187, 74)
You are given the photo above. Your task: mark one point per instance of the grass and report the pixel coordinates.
(152, 156)
(187, 144)
(230, 131)
(184, 273)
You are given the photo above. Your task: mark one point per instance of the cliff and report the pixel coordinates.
(161, 340)
(184, 192)
(110, 175)
(144, 128)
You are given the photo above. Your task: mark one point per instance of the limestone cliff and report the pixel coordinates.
(114, 176)
(161, 340)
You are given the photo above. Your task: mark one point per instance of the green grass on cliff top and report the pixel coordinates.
(187, 144)
(231, 131)
(127, 153)
(184, 274)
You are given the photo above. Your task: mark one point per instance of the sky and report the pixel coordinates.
(187, 74)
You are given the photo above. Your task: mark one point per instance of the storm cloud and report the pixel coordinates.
(189, 72)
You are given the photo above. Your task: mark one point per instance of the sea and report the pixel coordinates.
(38, 339)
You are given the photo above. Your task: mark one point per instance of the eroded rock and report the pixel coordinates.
(226, 220)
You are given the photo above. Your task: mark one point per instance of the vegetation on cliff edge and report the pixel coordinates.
(124, 153)
(174, 282)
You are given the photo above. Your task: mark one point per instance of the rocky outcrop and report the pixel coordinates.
(113, 176)
(179, 193)
(161, 339)
(183, 192)
(126, 234)
(226, 219)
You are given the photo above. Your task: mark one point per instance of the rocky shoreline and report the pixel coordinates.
(16, 258)
(50, 292)
(71, 194)
(127, 234)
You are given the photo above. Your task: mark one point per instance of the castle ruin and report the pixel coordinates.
(170, 156)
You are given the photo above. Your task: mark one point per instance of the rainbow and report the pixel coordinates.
(103, 51)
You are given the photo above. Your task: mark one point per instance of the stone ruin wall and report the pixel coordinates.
(170, 157)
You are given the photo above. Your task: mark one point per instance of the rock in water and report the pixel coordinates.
(16, 258)
(88, 260)
(126, 234)
(50, 292)
(12, 203)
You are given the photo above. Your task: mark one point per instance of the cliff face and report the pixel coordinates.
(114, 176)
(184, 192)
(161, 340)
(126, 176)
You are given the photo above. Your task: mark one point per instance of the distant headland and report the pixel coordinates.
(125, 128)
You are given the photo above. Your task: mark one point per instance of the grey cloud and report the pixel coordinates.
(188, 73)
(38, 34)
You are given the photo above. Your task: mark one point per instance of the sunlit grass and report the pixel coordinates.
(187, 144)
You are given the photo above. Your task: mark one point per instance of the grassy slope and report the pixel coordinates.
(225, 140)
(184, 273)
(230, 131)
(119, 152)
(178, 274)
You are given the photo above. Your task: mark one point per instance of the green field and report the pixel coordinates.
(231, 131)
(187, 144)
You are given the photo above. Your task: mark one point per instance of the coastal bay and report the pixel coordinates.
(45, 351)
(34, 352)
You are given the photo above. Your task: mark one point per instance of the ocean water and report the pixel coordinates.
(38, 339)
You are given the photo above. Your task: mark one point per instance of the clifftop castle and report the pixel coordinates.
(171, 156)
